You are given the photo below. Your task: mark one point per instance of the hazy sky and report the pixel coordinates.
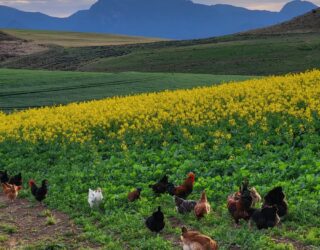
(63, 8)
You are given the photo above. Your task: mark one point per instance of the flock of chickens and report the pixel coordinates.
(11, 185)
(241, 205)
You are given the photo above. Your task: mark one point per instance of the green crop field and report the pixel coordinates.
(21, 89)
(231, 55)
(266, 130)
(76, 39)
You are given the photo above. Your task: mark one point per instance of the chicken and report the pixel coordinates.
(265, 217)
(156, 221)
(184, 206)
(193, 240)
(276, 197)
(161, 186)
(202, 207)
(239, 204)
(4, 178)
(134, 195)
(39, 193)
(95, 197)
(16, 180)
(11, 191)
(183, 190)
(256, 198)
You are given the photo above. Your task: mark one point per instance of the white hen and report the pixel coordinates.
(95, 197)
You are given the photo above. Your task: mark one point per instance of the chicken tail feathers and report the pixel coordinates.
(171, 189)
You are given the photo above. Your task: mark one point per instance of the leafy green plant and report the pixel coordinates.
(51, 220)
(7, 228)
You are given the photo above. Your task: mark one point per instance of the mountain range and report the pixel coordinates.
(174, 19)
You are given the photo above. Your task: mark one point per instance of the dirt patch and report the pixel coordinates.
(296, 244)
(175, 240)
(23, 224)
(15, 48)
(7, 37)
(175, 222)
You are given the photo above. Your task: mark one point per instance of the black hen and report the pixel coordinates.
(265, 217)
(245, 196)
(4, 178)
(276, 197)
(161, 186)
(16, 180)
(39, 193)
(156, 221)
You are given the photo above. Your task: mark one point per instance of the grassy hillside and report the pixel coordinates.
(260, 56)
(76, 39)
(24, 88)
(232, 55)
(266, 130)
(308, 23)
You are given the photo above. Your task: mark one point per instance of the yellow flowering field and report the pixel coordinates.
(250, 100)
(266, 130)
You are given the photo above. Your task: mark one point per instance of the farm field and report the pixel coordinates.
(22, 89)
(265, 129)
(259, 55)
(248, 54)
(76, 39)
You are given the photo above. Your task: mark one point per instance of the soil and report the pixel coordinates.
(24, 224)
(7, 37)
(15, 48)
(296, 244)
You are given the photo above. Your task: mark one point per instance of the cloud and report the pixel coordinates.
(63, 8)
(274, 5)
(59, 8)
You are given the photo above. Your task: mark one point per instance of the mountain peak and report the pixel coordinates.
(174, 19)
(297, 7)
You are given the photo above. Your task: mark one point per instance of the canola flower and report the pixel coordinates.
(293, 94)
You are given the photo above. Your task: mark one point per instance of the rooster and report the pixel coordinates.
(203, 207)
(184, 206)
(265, 217)
(193, 240)
(161, 186)
(11, 191)
(95, 197)
(239, 204)
(156, 221)
(183, 190)
(39, 193)
(134, 195)
(276, 197)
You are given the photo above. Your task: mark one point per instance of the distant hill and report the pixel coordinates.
(73, 39)
(175, 19)
(308, 23)
(292, 46)
(7, 37)
(14, 47)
